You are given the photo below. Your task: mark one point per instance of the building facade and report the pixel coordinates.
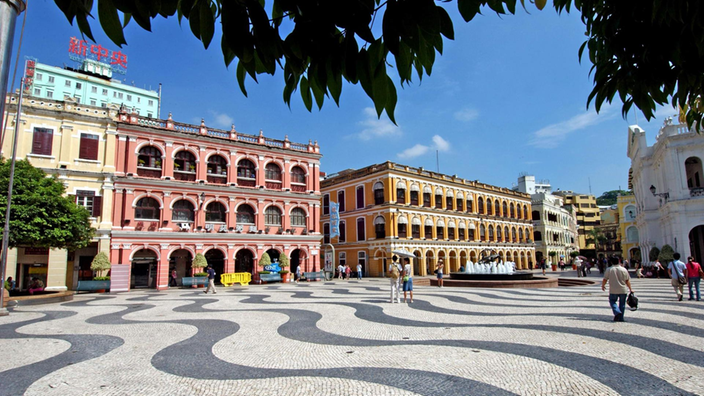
(77, 144)
(554, 225)
(628, 229)
(667, 181)
(588, 217)
(608, 232)
(389, 206)
(89, 85)
(185, 189)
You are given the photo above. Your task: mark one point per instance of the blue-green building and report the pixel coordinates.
(91, 84)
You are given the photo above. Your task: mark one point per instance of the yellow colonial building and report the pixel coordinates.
(389, 206)
(630, 249)
(588, 216)
(77, 144)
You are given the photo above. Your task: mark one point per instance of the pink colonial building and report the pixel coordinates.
(186, 189)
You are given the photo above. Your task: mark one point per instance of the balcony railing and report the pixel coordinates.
(217, 179)
(184, 175)
(298, 188)
(696, 192)
(246, 182)
(148, 172)
(272, 185)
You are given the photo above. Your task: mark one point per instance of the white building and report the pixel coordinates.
(554, 224)
(666, 179)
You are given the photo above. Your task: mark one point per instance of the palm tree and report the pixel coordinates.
(595, 236)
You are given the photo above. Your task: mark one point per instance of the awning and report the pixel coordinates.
(402, 220)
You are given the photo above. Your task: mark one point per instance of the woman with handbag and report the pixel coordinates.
(407, 280)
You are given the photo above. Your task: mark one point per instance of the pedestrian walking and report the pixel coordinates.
(211, 281)
(578, 265)
(340, 271)
(542, 265)
(395, 279)
(298, 273)
(407, 280)
(694, 275)
(439, 269)
(359, 271)
(348, 271)
(678, 275)
(174, 276)
(657, 268)
(561, 263)
(619, 284)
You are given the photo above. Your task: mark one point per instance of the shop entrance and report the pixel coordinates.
(180, 261)
(243, 261)
(144, 265)
(297, 257)
(696, 243)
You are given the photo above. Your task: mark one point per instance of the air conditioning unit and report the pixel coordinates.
(209, 227)
(184, 226)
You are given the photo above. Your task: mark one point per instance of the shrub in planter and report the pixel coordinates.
(201, 274)
(101, 278)
(666, 255)
(199, 262)
(654, 253)
(265, 260)
(264, 272)
(100, 264)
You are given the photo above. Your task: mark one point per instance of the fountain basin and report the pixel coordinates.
(516, 276)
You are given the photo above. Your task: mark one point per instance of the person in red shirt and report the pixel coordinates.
(694, 275)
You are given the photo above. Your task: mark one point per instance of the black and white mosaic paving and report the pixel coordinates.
(345, 338)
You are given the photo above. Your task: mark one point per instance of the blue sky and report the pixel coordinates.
(507, 97)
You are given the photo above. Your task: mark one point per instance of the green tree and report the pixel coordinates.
(610, 197)
(325, 42)
(265, 260)
(574, 254)
(41, 215)
(595, 237)
(666, 255)
(283, 261)
(199, 262)
(654, 253)
(100, 264)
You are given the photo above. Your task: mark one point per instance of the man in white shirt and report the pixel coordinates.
(359, 271)
(677, 269)
(340, 271)
(619, 284)
(395, 270)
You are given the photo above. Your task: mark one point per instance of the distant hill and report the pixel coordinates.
(610, 197)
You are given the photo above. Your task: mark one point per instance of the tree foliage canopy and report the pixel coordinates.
(648, 52)
(283, 260)
(265, 260)
(610, 197)
(100, 263)
(199, 261)
(654, 253)
(666, 255)
(41, 215)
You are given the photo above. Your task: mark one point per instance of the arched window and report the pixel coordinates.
(361, 230)
(272, 216)
(415, 190)
(482, 233)
(438, 198)
(298, 217)
(426, 196)
(499, 233)
(506, 234)
(489, 207)
(245, 214)
(629, 213)
(513, 211)
(520, 234)
(272, 172)
(461, 234)
(415, 227)
(693, 168)
(217, 169)
(440, 229)
(513, 235)
(401, 192)
(491, 233)
(341, 200)
(182, 211)
(378, 193)
(298, 179)
(428, 228)
(215, 211)
(342, 231)
(536, 215)
(525, 211)
(184, 163)
(402, 226)
(246, 170)
(504, 210)
(480, 205)
(451, 230)
(497, 208)
(149, 162)
(537, 236)
(470, 207)
(632, 234)
(149, 157)
(147, 209)
(380, 227)
(360, 197)
(518, 211)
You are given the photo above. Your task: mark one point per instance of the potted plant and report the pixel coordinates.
(192, 168)
(157, 164)
(284, 263)
(177, 166)
(263, 262)
(140, 162)
(99, 265)
(199, 262)
(574, 255)
(554, 263)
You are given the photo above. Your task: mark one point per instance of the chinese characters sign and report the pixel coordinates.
(334, 219)
(80, 49)
(28, 75)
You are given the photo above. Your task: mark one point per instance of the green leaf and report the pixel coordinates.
(207, 22)
(241, 75)
(305, 93)
(110, 22)
(540, 4)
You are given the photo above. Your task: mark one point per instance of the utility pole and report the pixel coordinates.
(9, 10)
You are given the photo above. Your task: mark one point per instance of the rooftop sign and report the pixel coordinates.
(80, 50)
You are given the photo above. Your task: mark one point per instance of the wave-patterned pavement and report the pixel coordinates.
(345, 338)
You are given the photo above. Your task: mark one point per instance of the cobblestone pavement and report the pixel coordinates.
(345, 338)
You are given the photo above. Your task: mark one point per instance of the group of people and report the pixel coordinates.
(344, 272)
(35, 285)
(401, 278)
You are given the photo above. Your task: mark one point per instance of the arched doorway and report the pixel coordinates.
(429, 262)
(273, 255)
(463, 258)
(380, 262)
(473, 256)
(453, 266)
(216, 259)
(696, 243)
(298, 258)
(181, 260)
(634, 254)
(244, 260)
(417, 262)
(144, 267)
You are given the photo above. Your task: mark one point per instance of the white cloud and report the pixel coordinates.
(220, 120)
(414, 151)
(467, 114)
(552, 135)
(441, 144)
(375, 127)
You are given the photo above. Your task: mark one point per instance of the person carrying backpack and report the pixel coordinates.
(395, 279)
